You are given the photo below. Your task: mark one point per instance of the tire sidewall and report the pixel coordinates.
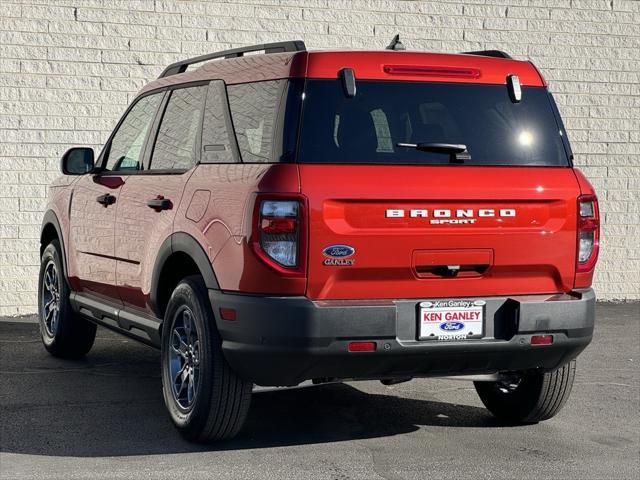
(186, 293)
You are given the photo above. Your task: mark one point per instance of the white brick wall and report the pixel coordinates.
(68, 68)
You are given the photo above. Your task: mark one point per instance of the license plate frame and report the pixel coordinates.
(451, 320)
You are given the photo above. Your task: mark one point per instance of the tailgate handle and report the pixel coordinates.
(456, 263)
(451, 271)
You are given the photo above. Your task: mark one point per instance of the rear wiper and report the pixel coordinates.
(457, 151)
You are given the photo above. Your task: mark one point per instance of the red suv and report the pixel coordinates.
(293, 216)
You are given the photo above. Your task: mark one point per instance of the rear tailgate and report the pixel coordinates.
(439, 231)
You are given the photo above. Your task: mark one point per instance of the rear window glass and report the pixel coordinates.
(368, 127)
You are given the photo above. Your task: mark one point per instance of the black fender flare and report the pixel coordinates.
(185, 243)
(50, 218)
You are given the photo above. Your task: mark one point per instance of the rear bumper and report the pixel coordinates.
(286, 340)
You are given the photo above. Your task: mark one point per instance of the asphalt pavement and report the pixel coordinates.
(104, 418)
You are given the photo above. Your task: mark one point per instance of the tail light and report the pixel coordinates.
(588, 232)
(279, 235)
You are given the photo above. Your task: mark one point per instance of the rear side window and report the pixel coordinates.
(125, 150)
(177, 139)
(368, 127)
(255, 110)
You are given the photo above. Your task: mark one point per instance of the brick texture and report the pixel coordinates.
(68, 68)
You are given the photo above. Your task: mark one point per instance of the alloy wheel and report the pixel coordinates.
(184, 358)
(51, 298)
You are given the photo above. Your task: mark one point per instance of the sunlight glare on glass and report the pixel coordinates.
(525, 138)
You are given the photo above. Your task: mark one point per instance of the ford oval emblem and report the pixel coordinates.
(451, 326)
(339, 251)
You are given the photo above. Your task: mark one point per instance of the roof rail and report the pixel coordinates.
(490, 53)
(181, 66)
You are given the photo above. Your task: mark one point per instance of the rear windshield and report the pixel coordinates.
(368, 127)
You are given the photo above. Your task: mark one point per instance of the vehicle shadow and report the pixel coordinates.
(111, 405)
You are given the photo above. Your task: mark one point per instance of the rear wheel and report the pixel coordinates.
(528, 397)
(206, 399)
(64, 333)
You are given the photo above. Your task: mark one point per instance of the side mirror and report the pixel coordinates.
(77, 161)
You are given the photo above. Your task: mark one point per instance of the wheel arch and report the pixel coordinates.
(49, 231)
(179, 255)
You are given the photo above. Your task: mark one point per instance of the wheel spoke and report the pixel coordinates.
(48, 281)
(49, 307)
(186, 318)
(54, 321)
(196, 352)
(191, 387)
(178, 345)
(179, 380)
(54, 280)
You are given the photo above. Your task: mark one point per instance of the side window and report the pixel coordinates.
(218, 143)
(176, 141)
(254, 109)
(125, 151)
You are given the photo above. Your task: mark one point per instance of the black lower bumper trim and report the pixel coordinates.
(286, 340)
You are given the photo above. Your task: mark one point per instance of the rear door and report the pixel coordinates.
(391, 221)
(149, 200)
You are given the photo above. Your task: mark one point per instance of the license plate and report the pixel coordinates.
(451, 319)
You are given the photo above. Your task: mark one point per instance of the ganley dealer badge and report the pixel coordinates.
(338, 255)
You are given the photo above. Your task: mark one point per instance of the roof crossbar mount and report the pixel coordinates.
(279, 47)
(490, 53)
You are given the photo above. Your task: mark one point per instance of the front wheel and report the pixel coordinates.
(528, 397)
(64, 333)
(206, 399)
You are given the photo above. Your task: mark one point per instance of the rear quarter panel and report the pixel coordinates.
(217, 211)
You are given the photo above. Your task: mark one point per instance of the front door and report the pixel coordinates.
(96, 199)
(148, 202)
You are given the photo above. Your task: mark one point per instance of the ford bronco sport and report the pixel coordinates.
(290, 217)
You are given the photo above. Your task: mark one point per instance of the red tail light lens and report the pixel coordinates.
(278, 226)
(228, 314)
(588, 232)
(542, 340)
(279, 236)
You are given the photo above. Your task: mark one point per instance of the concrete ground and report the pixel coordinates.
(104, 418)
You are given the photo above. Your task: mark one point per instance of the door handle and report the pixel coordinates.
(159, 203)
(106, 199)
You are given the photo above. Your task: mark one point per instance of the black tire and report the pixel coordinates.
(64, 333)
(537, 396)
(220, 399)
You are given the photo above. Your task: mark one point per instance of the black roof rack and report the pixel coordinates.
(279, 47)
(490, 53)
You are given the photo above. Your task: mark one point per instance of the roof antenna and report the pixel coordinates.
(396, 44)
